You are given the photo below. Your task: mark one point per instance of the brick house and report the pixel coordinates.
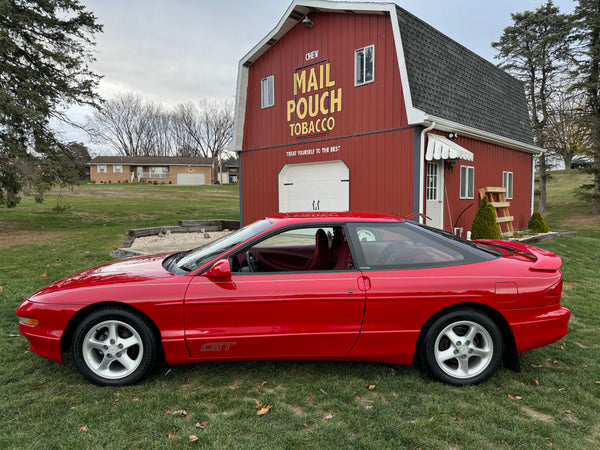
(151, 169)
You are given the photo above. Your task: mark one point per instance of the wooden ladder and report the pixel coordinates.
(497, 198)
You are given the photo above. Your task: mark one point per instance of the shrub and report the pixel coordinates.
(537, 223)
(484, 225)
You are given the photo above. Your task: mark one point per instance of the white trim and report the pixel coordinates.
(509, 191)
(464, 130)
(532, 195)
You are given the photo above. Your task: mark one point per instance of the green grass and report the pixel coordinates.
(554, 400)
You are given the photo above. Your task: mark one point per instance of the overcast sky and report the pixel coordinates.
(173, 51)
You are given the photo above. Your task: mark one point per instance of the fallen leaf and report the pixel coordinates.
(171, 436)
(310, 399)
(432, 418)
(201, 425)
(1, 288)
(369, 407)
(562, 389)
(568, 411)
(306, 427)
(117, 394)
(263, 411)
(44, 275)
(323, 391)
(536, 366)
(458, 419)
(563, 373)
(235, 386)
(136, 399)
(14, 335)
(519, 398)
(328, 417)
(392, 371)
(261, 385)
(193, 438)
(555, 362)
(167, 412)
(537, 383)
(83, 429)
(114, 402)
(510, 396)
(412, 421)
(371, 387)
(562, 346)
(258, 404)
(357, 397)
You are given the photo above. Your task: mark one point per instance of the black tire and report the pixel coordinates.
(114, 347)
(462, 347)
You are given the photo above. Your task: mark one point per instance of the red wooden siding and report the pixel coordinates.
(371, 107)
(489, 162)
(379, 180)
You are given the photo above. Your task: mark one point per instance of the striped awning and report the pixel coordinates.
(439, 147)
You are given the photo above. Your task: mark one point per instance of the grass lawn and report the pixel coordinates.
(554, 401)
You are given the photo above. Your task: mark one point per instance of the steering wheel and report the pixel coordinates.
(251, 261)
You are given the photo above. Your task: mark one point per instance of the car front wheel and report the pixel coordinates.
(462, 347)
(114, 347)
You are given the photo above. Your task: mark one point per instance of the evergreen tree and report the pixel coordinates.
(485, 225)
(45, 49)
(535, 49)
(587, 33)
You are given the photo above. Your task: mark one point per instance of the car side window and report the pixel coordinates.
(297, 250)
(405, 245)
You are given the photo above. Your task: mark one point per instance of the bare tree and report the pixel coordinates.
(203, 130)
(567, 133)
(131, 126)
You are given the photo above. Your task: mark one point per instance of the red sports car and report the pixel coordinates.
(338, 286)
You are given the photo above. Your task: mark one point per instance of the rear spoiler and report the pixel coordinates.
(544, 259)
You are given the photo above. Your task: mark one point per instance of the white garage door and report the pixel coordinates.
(314, 187)
(190, 179)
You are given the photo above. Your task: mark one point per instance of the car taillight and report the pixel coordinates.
(553, 293)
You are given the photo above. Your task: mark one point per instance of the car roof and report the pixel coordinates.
(329, 216)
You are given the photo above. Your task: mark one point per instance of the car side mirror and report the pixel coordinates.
(220, 269)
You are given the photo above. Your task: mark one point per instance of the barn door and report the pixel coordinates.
(323, 186)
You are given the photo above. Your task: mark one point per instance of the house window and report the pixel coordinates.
(467, 181)
(364, 65)
(117, 169)
(507, 183)
(267, 90)
(101, 168)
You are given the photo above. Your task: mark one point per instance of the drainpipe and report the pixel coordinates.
(421, 177)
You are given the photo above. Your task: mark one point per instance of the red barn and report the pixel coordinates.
(363, 106)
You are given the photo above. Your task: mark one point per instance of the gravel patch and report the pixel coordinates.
(171, 242)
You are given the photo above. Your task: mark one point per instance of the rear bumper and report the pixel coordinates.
(540, 327)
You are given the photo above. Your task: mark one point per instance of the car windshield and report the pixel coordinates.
(200, 256)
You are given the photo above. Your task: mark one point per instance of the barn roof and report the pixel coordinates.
(449, 81)
(152, 161)
(442, 81)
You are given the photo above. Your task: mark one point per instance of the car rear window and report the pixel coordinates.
(408, 245)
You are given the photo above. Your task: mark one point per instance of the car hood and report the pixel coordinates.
(135, 270)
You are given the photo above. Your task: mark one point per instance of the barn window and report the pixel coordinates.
(101, 168)
(467, 181)
(267, 90)
(117, 168)
(364, 65)
(507, 183)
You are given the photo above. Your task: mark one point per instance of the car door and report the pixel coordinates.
(302, 310)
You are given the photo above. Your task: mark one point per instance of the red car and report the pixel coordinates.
(337, 286)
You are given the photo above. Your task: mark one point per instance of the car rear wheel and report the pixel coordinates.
(462, 347)
(114, 347)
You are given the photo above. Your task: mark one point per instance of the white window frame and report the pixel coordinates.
(467, 182)
(507, 183)
(267, 92)
(117, 168)
(363, 65)
(101, 168)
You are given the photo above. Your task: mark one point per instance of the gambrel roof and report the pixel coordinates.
(442, 81)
